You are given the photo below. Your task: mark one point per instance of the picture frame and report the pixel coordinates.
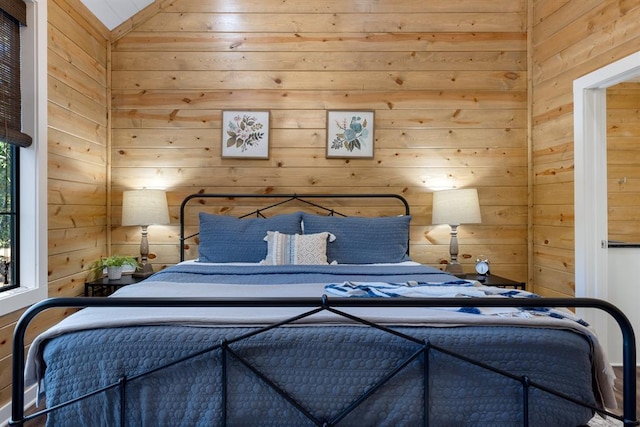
(245, 134)
(350, 134)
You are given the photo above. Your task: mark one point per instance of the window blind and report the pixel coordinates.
(13, 13)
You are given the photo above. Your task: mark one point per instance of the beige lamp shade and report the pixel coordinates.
(144, 207)
(455, 207)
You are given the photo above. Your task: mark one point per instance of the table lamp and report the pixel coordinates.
(144, 208)
(455, 207)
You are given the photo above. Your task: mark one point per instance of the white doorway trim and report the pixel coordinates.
(590, 180)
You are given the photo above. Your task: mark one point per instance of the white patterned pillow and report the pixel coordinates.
(297, 249)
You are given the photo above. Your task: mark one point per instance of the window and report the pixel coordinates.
(8, 215)
(13, 15)
(26, 170)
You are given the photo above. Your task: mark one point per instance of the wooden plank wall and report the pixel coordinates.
(77, 138)
(623, 161)
(570, 38)
(446, 79)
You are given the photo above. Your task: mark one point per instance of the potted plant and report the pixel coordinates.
(114, 265)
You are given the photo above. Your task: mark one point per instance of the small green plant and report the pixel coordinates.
(97, 267)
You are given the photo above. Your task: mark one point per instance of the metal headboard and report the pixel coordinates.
(281, 199)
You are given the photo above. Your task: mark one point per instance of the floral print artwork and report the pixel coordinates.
(350, 134)
(353, 134)
(245, 134)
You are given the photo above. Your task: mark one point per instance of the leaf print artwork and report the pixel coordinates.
(244, 132)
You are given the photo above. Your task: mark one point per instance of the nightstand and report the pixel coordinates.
(493, 280)
(104, 287)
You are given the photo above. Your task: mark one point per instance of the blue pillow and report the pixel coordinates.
(229, 239)
(362, 240)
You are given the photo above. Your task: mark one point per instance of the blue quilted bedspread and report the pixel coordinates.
(324, 369)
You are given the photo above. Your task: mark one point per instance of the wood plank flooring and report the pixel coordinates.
(618, 390)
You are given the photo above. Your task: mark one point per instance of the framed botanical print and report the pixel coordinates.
(350, 134)
(245, 134)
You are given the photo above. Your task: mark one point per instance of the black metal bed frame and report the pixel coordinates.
(629, 417)
(285, 198)
(333, 305)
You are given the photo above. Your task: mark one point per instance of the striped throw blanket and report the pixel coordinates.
(451, 289)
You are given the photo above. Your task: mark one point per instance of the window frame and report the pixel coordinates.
(32, 256)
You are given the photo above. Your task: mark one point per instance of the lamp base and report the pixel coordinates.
(454, 268)
(145, 271)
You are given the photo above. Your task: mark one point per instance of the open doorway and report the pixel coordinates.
(590, 184)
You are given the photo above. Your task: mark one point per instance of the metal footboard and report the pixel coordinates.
(629, 417)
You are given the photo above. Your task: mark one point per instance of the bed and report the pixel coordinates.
(297, 314)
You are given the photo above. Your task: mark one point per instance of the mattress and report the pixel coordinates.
(324, 362)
